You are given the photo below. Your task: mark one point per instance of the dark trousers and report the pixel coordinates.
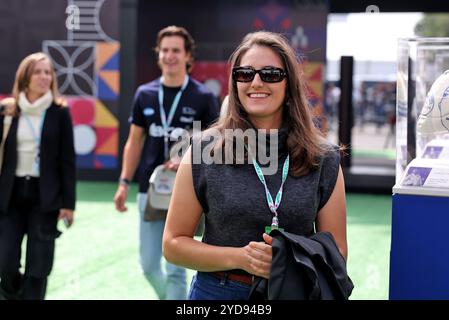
(25, 217)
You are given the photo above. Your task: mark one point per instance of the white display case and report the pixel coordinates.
(422, 117)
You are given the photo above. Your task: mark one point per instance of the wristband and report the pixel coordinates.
(124, 182)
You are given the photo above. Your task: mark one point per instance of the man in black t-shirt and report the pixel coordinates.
(161, 109)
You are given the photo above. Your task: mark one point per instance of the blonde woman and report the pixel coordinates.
(37, 180)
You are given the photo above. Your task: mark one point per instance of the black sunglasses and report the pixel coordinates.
(267, 74)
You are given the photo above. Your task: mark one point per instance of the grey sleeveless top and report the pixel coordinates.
(235, 205)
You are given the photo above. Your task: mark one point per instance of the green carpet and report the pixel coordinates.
(369, 232)
(97, 258)
(382, 154)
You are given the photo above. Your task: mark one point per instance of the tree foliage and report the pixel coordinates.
(433, 25)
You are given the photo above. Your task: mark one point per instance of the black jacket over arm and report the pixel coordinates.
(304, 269)
(57, 181)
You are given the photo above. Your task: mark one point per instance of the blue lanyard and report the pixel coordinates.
(164, 120)
(273, 205)
(36, 135)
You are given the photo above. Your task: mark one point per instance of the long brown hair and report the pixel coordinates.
(305, 143)
(25, 71)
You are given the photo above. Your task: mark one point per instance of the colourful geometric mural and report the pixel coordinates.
(96, 133)
(87, 65)
(107, 70)
(106, 150)
(314, 76)
(313, 71)
(272, 16)
(213, 74)
(107, 74)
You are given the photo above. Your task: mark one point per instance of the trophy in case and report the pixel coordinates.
(422, 125)
(419, 259)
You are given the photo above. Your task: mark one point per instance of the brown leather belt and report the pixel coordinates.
(243, 278)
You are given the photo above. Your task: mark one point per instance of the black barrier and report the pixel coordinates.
(345, 112)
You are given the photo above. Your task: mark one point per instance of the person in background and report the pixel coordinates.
(266, 91)
(37, 178)
(160, 108)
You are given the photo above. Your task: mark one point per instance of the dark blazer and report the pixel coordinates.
(57, 162)
(304, 269)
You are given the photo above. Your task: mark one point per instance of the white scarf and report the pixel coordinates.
(38, 106)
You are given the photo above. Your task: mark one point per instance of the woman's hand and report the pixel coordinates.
(258, 256)
(66, 214)
(10, 107)
(268, 239)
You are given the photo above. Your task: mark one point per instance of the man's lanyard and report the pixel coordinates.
(36, 137)
(166, 122)
(273, 205)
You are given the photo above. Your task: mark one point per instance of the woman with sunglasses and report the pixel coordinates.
(37, 179)
(305, 194)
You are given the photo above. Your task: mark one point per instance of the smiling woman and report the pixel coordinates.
(266, 92)
(37, 180)
(262, 100)
(40, 80)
